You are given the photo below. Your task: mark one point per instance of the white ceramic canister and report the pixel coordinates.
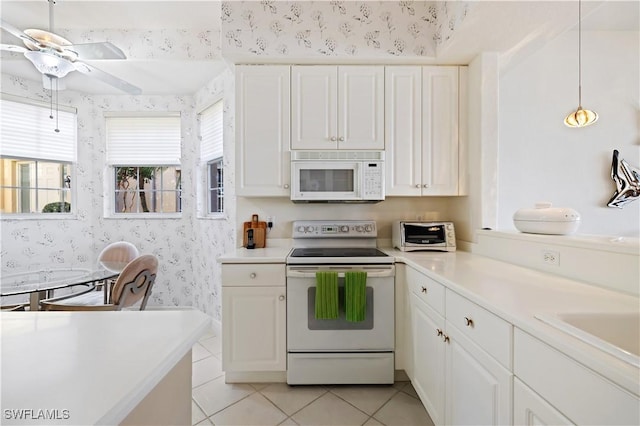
(544, 219)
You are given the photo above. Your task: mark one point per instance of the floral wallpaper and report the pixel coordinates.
(356, 29)
(187, 247)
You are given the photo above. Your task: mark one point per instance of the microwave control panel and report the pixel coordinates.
(372, 181)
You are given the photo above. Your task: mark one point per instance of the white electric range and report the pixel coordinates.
(337, 351)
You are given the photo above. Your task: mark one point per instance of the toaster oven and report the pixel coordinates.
(414, 236)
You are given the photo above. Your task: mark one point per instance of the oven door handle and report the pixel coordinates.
(311, 272)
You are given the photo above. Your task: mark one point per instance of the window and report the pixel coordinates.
(36, 162)
(211, 155)
(143, 153)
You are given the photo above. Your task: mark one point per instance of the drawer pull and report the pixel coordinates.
(423, 289)
(445, 338)
(252, 275)
(439, 332)
(468, 322)
(281, 298)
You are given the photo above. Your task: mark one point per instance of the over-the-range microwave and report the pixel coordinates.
(337, 176)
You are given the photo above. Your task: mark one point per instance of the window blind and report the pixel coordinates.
(211, 132)
(140, 141)
(28, 132)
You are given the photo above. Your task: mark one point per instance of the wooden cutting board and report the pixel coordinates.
(259, 232)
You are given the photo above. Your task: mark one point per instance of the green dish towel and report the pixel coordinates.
(355, 295)
(326, 295)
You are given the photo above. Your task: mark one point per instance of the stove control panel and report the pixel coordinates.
(334, 229)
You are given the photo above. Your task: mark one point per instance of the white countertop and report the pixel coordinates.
(514, 293)
(96, 365)
(263, 255)
(517, 294)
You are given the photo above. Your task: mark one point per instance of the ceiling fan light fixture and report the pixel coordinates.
(580, 117)
(50, 64)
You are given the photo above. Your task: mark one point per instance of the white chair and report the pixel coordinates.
(115, 256)
(133, 284)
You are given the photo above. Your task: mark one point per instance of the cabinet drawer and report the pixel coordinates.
(490, 332)
(239, 275)
(580, 394)
(428, 290)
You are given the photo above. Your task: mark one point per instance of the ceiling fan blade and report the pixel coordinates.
(16, 32)
(107, 78)
(100, 50)
(12, 48)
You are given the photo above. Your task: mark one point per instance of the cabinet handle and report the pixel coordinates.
(423, 289)
(468, 322)
(281, 298)
(341, 138)
(425, 186)
(333, 138)
(252, 275)
(445, 338)
(439, 332)
(286, 186)
(418, 186)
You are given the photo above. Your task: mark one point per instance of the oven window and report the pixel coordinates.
(425, 234)
(326, 180)
(340, 323)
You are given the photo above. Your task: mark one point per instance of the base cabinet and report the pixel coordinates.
(428, 373)
(458, 380)
(253, 320)
(529, 409)
(478, 387)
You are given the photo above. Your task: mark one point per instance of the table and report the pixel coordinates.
(103, 368)
(40, 284)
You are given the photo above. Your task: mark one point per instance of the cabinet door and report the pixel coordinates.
(529, 409)
(440, 130)
(479, 389)
(403, 134)
(361, 107)
(262, 130)
(254, 329)
(429, 358)
(314, 122)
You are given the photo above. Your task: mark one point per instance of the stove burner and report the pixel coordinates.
(337, 252)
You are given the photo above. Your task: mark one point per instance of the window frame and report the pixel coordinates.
(205, 192)
(110, 183)
(65, 150)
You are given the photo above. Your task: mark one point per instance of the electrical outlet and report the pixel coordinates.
(271, 221)
(551, 257)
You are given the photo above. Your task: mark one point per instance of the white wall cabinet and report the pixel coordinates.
(455, 371)
(337, 107)
(422, 130)
(253, 320)
(263, 130)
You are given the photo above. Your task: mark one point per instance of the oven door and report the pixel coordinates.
(325, 181)
(305, 333)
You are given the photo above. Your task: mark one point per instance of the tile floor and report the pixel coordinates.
(217, 403)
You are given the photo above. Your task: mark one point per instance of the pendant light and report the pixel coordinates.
(580, 117)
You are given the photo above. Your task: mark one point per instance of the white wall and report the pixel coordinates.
(541, 159)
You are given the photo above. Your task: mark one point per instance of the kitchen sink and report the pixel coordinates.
(615, 333)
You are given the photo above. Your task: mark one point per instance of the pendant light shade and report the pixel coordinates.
(580, 117)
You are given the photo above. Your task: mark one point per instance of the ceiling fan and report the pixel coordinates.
(55, 57)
